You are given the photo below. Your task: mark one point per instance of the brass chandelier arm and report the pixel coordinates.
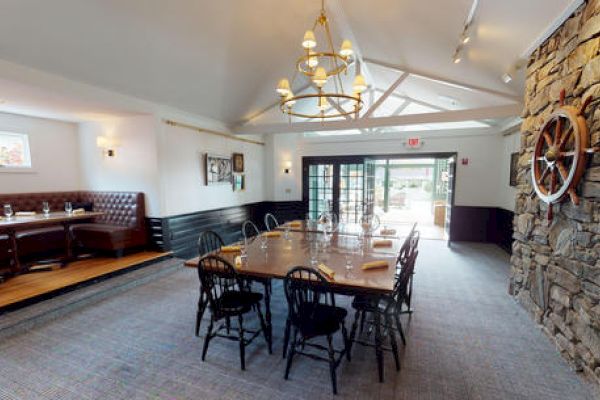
(358, 103)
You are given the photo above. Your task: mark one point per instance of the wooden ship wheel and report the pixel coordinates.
(559, 157)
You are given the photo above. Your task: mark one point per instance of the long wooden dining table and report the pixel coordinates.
(287, 250)
(344, 228)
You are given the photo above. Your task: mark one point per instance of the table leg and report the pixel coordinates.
(12, 235)
(68, 244)
(268, 312)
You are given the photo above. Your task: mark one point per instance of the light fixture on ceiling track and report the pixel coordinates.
(466, 34)
(319, 66)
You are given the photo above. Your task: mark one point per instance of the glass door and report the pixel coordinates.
(451, 173)
(351, 184)
(320, 188)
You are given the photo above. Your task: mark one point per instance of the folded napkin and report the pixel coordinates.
(272, 234)
(230, 249)
(388, 232)
(374, 265)
(79, 211)
(25, 213)
(382, 243)
(296, 224)
(328, 272)
(237, 262)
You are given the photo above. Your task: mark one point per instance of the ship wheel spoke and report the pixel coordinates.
(553, 179)
(548, 138)
(563, 171)
(565, 138)
(567, 153)
(543, 176)
(540, 158)
(557, 131)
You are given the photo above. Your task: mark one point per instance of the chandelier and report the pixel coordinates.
(322, 66)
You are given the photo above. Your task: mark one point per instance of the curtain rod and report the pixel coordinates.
(216, 133)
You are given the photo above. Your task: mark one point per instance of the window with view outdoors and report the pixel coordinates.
(14, 150)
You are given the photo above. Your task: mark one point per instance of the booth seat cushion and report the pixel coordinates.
(4, 249)
(107, 236)
(41, 240)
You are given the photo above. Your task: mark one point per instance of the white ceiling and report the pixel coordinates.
(222, 59)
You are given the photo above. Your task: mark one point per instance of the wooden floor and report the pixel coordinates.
(28, 286)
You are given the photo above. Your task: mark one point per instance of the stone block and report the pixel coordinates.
(590, 189)
(591, 289)
(584, 212)
(564, 279)
(589, 29)
(560, 295)
(593, 174)
(589, 336)
(592, 273)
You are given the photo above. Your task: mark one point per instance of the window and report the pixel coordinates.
(14, 150)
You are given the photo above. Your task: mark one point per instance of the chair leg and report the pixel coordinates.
(399, 328)
(207, 338)
(263, 327)
(378, 345)
(332, 364)
(242, 343)
(346, 341)
(228, 324)
(286, 336)
(290, 356)
(392, 336)
(362, 321)
(353, 330)
(200, 312)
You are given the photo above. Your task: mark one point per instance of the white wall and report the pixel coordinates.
(182, 170)
(135, 166)
(54, 155)
(476, 183)
(507, 194)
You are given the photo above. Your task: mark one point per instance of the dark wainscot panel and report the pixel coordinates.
(482, 224)
(180, 233)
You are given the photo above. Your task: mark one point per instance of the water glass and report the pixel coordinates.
(46, 208)
(244, 251)
(286, 232)
(8, 211)
(264, 242)
(314, 255)
(68, 208)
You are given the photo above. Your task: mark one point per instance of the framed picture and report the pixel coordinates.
(239, 182)
(238, 162)
(218, 170)
(514, 166)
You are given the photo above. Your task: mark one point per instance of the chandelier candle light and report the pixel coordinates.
(319, 66)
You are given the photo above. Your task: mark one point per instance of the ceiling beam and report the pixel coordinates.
(399, 110)
(443, 81)
(386, 94)
(416, 101)
(398, 120)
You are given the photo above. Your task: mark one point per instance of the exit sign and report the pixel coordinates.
(413, 143)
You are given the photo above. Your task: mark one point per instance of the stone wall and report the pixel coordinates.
(555, 270)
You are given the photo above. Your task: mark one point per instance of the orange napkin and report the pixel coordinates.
(272, 234)
(382, 243)
(237, 262)
(230, 249)
(374, 265)
(328, 272)
(296, 224)
(388, 232)
(24, 213)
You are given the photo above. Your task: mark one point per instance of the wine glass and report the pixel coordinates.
(314, 254)
(286, 232)
(68, 207)
(8, 211)
(264, 242)
(244, 251)
(46, 208)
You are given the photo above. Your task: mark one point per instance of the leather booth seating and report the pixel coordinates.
(121, 227)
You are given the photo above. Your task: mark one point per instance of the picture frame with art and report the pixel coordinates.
(514, 169)
(238, 163)
(239, 182)
(218, 170)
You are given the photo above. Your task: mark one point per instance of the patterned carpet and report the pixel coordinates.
(467, 340)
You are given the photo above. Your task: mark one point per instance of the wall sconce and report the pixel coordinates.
(107, 144)
(287, 167)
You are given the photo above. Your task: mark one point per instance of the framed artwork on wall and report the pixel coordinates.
(238, 162)
(239, 182)
(514, 167)
(218, 170)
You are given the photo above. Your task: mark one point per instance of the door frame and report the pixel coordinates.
(360, 158)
